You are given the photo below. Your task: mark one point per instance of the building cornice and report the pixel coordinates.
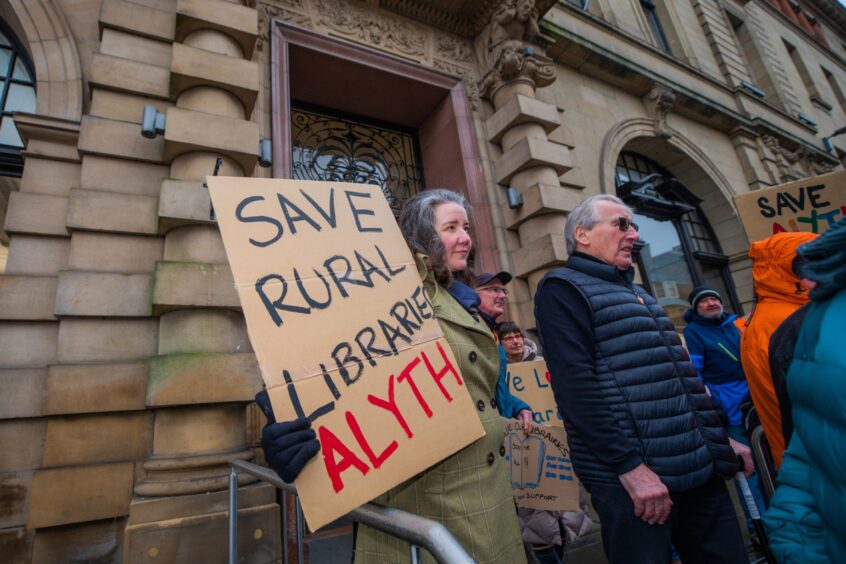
(465, 18)
(597, 60)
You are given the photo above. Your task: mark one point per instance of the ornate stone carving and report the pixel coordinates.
(505, 52)
(658, 104)
(454, 49)
(366, 27)
(785, 159)
(268, 12)
(820, 167)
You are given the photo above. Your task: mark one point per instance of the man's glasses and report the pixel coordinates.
(623, 224)
(512, 337)
(494, 289)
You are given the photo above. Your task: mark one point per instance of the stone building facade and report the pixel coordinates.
(126, 374)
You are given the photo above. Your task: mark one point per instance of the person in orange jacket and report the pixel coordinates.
(779, 291)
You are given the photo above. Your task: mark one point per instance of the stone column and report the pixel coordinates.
(204, 373)
(530, 163)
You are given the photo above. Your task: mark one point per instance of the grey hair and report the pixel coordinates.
(417, 223)
(584, 215)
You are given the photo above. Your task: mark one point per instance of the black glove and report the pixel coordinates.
(287, 446)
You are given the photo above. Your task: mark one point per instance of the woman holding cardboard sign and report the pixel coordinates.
(469, 492)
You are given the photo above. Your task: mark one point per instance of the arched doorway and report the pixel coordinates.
(679, 249)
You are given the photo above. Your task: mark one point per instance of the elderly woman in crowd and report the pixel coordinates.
(470, 491)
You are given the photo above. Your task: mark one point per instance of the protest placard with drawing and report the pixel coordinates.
(344, 335)
(812, 204)
(542, 474)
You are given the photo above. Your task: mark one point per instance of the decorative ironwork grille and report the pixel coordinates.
(327, 146)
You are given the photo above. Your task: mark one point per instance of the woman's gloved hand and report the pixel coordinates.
(287, 446)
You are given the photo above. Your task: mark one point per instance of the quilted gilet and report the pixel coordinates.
(651, 386)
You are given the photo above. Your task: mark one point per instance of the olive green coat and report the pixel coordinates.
(469, 492)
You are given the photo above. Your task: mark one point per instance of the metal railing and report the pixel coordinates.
(415, 530)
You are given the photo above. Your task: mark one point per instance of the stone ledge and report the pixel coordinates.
(121, 175)
(126, 75)
(177, 285)
(14, 491)
(27, 298)
(98, 439)
(49, 176)
(541, 199)
(110, 138)
(138, 19)
(528, 153)
(28, 344)
(106, 294)
(48, 137)
(37, 214)
(521, 109)
(199, 378)
(192, 67)
(94, 388)
(81, 340)
(75, 494)
(189, 131)
(23, 389)
(238, 22)
(183, 202)
(93, 210)
(150, 510)
(541, 253)
(206, 535)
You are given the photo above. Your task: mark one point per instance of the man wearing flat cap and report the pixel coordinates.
(492, 296)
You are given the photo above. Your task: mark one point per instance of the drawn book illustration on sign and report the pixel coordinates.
(526, 455)
(542, 475)
(344, 335)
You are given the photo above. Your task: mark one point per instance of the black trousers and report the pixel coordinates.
(702, 526)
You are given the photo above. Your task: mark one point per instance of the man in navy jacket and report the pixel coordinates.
(643, 434)
(713, 341)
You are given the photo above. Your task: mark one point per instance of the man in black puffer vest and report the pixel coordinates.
(644, 436)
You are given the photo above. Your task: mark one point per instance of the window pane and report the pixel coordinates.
(4, 41)
(666, 266)
(21, 99)
(9, 133)
(5, 57)
(20, 71)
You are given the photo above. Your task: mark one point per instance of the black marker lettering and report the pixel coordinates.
(359, 211)
(299, 215)
(239, 213)
(272, 305)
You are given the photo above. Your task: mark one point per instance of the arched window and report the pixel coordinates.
(17, 94)
(678, 250)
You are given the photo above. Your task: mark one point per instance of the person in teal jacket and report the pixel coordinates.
(806, 521)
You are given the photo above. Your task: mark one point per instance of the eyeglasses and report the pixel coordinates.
(494, 289)
(623, 223)
(512, 337)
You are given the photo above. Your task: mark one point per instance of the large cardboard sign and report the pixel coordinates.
(529, 381)
(811, 204)
(344, 335)
(542, 474)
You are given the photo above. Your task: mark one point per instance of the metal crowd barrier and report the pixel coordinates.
(415, 530)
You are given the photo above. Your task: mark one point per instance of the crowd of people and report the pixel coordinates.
(656, 426)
